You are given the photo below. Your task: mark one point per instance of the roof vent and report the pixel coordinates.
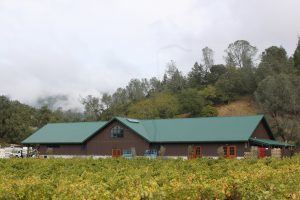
(133, 120)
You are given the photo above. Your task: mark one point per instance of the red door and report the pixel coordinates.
(197, 152)
(262, 152)
(116, 153)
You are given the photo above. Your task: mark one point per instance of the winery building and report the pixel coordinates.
(183, 137)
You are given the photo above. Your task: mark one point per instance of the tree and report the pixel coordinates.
(120, 102)
(137, 89)
(208, 58)
(209, 111)
(173, 78)
(209, 93)
(92, 108)
(144, 109)
(296, 55)
(240, 54)
(15, 120)
(106, 100)
(4, 112)
(155, 85)
(191, 101)
(230, 85)
(162, 105)
(214, 74)
(196, 76)
(44, 116)
(248, 79)
(70, 115)
(279, 96)
(274, 60)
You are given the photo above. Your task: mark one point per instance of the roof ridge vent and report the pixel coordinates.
(133, 120)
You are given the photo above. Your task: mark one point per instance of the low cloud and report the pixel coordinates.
(76, 48)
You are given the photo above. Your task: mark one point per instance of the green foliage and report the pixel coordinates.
(162, 105)
(274, 61)
(92, 107)
(149, 179)
(137, 89)
(230, 84)
(279, 96)
(196, 77)
(18, 121)
(15, 120)
(209, 93)
(236, 82)
(191, 101)
(173, 79)
(296, 56)
(215, 72)
(209, 111)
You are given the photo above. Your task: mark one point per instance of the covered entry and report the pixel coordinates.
(265, 146)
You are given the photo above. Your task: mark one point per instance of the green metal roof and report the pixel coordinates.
(271, 143)
(205, 129)
(64, 133)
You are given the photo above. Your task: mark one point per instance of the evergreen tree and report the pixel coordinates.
(296, 55)
(174, 80)
(196, 77)
(274, 61)
(214, 74)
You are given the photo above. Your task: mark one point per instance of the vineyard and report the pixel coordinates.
(149, 179)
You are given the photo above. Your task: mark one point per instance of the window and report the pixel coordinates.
(230, 151)
(225, 151)
(117, 132)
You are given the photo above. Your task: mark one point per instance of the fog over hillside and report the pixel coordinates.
(56, 48)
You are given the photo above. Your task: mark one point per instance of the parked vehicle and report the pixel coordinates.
(17, 151)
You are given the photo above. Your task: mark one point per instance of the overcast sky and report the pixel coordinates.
(81, 47)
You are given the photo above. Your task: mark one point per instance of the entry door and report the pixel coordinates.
(262, 152)
(116, 153)
(197, 152)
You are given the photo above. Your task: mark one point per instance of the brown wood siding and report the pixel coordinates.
(63, 149)
(208, 149)
(261, 132)
(102, 143)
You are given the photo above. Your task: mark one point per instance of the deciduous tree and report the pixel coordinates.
(240, 54)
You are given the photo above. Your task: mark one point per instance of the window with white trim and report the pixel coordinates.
(117, 132)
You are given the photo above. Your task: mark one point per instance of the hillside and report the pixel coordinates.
(243, 106)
